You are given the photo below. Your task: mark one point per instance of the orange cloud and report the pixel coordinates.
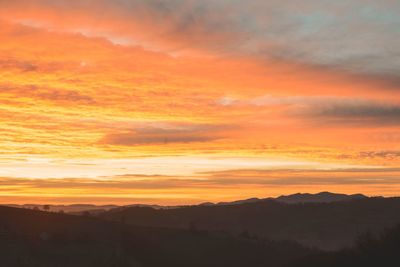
(213, 186)
(78, 83)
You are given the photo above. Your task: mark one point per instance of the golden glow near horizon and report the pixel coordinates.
(131, 101)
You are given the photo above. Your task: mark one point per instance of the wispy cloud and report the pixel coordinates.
(351, 36)
(176, 88)
(50, 94)
(228, 184)
(170, 134)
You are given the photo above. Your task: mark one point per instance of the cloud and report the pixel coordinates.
(78, 79)
(17, 64)
(221, 179)
(168, 135)
(358, 113)
(292, 177)
(386, 154)
(65, 95)
(327, 109)
(353, 36)
(212, 186)
(50, 94)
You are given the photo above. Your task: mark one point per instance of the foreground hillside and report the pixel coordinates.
(370, 251)
(40, 239)
(33, 238)
(328, 226)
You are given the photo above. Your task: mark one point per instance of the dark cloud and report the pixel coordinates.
(176, 134)
(329, 110)
(358, 113)
(386, 154)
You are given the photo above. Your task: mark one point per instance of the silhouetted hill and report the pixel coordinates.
(370, 251)
(243, 201)
(322, 197)
(31, 238)
(79, 209)
(73, 208)
(325, 225)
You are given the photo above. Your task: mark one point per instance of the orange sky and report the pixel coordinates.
(172, 103)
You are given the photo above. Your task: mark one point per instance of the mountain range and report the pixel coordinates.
(91, 208)
(326, 225)
(299, 230)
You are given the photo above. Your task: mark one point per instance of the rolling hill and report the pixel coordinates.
(328, 226)
(31, 238)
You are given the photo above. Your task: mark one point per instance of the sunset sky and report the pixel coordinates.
(185, 101)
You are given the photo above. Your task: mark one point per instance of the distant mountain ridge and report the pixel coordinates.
(322, 197)
(243, 201)
(73, 208)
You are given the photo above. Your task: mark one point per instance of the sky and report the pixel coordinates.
(185, 101)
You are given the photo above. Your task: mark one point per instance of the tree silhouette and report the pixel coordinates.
(86, 213)
(193, 227)
(245, 234)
